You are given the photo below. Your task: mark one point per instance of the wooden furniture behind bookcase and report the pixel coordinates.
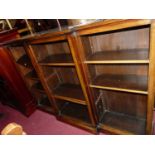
(29, 75)
(119, 65)
(55, 59)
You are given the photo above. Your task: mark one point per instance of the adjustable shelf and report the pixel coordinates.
(58, 60)
(53, 54)
(64, 83)
(75, 114)
(122, 124)
(126, 83)
(131, 56)
(71, 110)
(121, 112)
(70, 92)
(24, 61)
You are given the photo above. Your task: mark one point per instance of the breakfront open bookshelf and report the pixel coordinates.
(98, 76)
(118, 63)
(55, 59)
(28, 73)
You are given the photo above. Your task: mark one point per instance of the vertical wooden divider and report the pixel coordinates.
(41, 76)
(151, 80)
(75, 53)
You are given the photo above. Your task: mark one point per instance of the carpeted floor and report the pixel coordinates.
(39, 123)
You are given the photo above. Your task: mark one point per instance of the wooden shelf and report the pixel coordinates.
(23, 30)
(25, 61)
(45, 105)
(138, 56)
(126, 83)
(58, 60)
(32, 75)
(75, 111)
(70, 92)
(38, 87)
(122, 124)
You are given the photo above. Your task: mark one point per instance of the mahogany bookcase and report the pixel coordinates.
(98, 76)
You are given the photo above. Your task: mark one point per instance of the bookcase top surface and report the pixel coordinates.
(90, 28)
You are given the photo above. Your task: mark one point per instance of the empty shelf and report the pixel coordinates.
(70, 92)
(76, 111)
(127, 83)
(123, 123)
(58, 60)
(120, 56)
(25, 61)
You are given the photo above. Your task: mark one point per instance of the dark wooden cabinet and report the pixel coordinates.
(13, 91)
(6, 95)
(98, 76)
(13, 88)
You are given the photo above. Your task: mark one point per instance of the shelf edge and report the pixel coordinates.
(57, 64)
(115, 130)
(120, 89)
(70, 99)
(117, 62)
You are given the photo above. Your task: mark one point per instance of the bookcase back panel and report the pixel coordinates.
(58, 48)
(68, 75)
(60, 75)
(124, 103)
(44, 52)
(47, 71)
(125, 40)
(120, 76)
(53, 82)
(73, 110)
(124, 69)
(131, 39)
(88, 47)
(17, 52)
(51, 76)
